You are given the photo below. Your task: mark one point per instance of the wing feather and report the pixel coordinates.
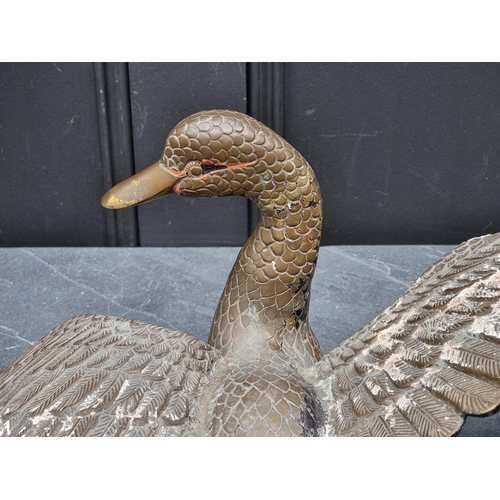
(177, 408)
(425, 361)
(33, 386)
(389, 424)
(103, 376)
(77, 426)
(476, 356)
(51, 392)
(86, 384)
(61, 359)
(470, 394)
(105, 425)
(106, 393)
(429, 415)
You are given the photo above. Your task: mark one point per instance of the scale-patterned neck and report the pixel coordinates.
(264, 307)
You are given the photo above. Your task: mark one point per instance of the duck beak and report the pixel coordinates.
(150, 183)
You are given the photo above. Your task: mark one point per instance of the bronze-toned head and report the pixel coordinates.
(216, 153)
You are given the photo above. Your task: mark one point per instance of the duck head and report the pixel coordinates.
(217, 153)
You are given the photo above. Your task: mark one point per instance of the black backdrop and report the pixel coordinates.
(405, 153)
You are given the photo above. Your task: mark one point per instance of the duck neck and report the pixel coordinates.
(265, 303)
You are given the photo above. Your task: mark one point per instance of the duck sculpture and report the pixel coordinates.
(416, 369)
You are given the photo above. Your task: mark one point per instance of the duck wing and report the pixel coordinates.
(427, 360)
(99, 375)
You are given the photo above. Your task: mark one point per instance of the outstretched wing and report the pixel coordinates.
(97, 375)
(426, 360)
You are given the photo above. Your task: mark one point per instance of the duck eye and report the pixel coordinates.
(194, 168)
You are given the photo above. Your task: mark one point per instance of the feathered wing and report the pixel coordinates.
(104, 376)
(427, 360)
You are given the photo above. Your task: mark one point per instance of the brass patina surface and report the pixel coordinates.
(416, 369)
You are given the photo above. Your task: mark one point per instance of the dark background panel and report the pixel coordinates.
(162, 94)
(51, 176)
(405, 153)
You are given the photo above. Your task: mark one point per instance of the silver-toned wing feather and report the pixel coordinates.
(427, 360)
(104, 376)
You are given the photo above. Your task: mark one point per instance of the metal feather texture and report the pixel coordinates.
(102, 387)
(415, 370)
(436, 366)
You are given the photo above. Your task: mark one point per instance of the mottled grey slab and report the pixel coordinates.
(180, 287)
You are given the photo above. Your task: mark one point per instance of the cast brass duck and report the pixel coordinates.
(416, 369)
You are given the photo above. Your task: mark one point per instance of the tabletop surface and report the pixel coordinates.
(179, 288)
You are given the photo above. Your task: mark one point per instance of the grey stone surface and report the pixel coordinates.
(180, 287)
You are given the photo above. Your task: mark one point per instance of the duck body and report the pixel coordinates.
(414, 370)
